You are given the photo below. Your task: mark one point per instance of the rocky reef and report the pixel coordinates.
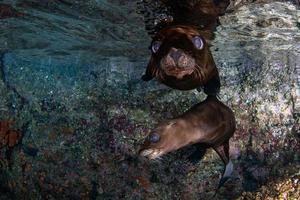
(73, 109)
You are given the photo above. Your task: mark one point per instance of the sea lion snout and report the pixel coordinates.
(166, 137)
(150, 153)
(181, 59)
(177, 63)
(149, 147)
(177, 58)
(175, 54)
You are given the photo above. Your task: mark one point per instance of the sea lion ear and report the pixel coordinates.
(151, 70)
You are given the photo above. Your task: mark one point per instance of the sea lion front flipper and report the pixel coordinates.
(151, 71)
(198, 154)
(146, 77)
(212, 87)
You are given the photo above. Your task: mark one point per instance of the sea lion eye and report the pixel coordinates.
(198, 42)
(154, 137)
(155, 46)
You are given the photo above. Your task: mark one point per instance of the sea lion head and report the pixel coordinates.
(181, 53)
(165, 138)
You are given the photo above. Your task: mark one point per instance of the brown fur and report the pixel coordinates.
(209, 123)
(190, 19)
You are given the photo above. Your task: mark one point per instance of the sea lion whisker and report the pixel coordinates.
(159, 160)
(198, 72)
(164, 158)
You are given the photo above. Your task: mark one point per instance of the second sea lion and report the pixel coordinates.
(208, 124)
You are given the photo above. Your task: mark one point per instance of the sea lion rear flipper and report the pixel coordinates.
(223, 152)
(226, 175)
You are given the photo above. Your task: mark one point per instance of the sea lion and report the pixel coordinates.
(181, 58)
(207, 124)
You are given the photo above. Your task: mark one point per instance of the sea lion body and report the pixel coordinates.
(181, 58)
(208, 124)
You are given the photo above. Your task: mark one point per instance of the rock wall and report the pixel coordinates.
(70, 85)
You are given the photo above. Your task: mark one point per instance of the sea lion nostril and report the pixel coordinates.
(154, 137)
(175, 54)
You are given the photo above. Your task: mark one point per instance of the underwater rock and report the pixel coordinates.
(78, 65)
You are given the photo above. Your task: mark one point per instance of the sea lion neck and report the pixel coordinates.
(200, 13)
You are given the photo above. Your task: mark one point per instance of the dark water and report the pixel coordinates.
(71, 88)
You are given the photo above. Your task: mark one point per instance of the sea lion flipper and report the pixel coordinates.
(226, 175)
(212, 87)
(151, 71)
(223, 152)
(198, 154)
(146, 77)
